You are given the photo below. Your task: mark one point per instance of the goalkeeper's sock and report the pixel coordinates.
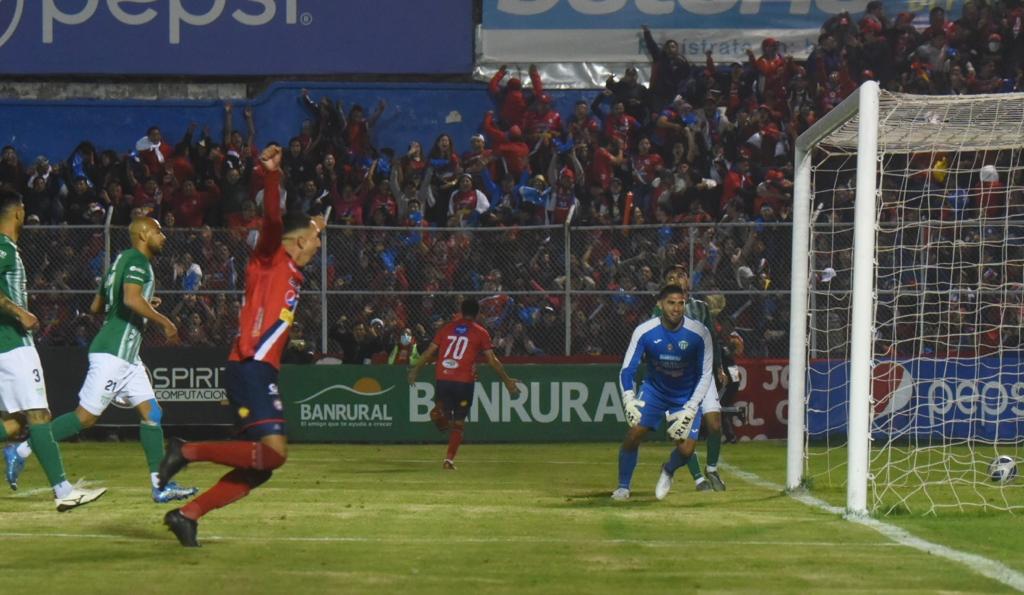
(454, 440)
(235, 485)
(677, 460)
(240, 455)
(627, 464)
(714, 449)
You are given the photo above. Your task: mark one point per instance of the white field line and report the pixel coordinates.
(81, 483)
(978, 564)
(525, 539)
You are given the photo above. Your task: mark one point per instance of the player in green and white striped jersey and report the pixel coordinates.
(22, 385)
(711, 408)
(115, 369)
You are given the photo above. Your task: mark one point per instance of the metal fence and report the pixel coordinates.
(550, 290)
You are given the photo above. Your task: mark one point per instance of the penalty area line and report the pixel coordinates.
(986, 567)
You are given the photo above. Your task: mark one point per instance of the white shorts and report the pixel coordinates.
(22, 384)
(710, 402)
(110, 378)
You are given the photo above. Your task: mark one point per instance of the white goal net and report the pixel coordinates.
(906, 345)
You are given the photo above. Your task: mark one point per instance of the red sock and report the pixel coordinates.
(240, 455)
(233, 486)
(454, 440)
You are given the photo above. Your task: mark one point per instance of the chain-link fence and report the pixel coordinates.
(549, 290)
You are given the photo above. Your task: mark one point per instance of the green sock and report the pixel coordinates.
(40, 438)
(694, 466)
(714, 448)
(152, 439)
(66, 426)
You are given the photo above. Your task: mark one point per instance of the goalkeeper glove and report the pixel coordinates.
(681, 422)
(631, 406)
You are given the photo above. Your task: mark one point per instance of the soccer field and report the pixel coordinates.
(512, 519)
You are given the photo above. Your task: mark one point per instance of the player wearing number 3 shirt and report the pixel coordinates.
(455, 349)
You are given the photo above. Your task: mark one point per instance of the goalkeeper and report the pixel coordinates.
(678, 354)
(710, 407)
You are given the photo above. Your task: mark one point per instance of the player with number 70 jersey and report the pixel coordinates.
(455, 348)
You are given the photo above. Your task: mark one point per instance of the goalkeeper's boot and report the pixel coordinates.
(78, 497)
(173, 462)
(716, 482)
(620, 494)
(448, 465)
(184, 528)
(664, 485)
(173, 491)
(14, 465)
(703, 485)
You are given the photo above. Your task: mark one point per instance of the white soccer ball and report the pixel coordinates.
(1003, 469)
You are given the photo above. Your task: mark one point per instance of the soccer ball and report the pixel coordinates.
(1003, 469)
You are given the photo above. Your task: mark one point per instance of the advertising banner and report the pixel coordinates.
(188, 384)
(980, 399)
(234, 37)
(604, 31)
(557, 403)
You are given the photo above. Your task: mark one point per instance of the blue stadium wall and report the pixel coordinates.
(415, 112)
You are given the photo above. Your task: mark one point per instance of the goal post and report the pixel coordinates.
(864, 105)
(908, 279)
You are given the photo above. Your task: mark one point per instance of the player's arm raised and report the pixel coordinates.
(273, 226)
(428, 357)
(494, 362)
(137, 303)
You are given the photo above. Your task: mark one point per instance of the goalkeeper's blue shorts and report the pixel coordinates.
(657, 406)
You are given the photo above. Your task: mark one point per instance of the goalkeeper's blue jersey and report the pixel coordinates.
(679, 362)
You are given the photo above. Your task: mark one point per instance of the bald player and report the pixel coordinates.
(115, 369)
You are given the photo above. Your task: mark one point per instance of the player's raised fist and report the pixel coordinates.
(271, 158)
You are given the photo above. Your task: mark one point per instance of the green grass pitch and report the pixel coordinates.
(512, 519)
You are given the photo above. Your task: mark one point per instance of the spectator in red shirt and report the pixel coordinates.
(455, 348)
(509, 148)
(190, 204)
(357, 129)
(153, 152)
(512, 101)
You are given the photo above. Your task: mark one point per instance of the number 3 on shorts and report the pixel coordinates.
(36, 375)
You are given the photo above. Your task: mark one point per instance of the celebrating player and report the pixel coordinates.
(710, 405)
(454, 376)
(677, 351)
(22, 386)
(273, 278)
(115, 369)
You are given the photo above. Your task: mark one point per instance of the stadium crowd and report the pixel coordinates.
(703, 143)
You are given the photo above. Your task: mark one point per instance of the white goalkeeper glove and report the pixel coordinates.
(631, 406)
(681, 422)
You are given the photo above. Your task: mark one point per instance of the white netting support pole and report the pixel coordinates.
(799, 276)
(861, 318)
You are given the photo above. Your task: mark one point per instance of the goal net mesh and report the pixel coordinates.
(947, 391)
